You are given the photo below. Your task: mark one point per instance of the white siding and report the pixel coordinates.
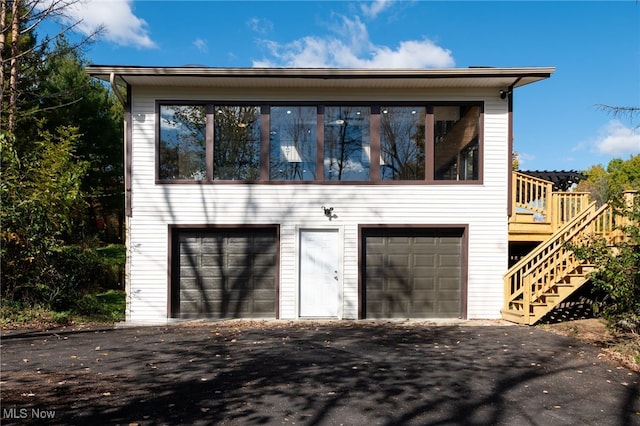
(155, 206)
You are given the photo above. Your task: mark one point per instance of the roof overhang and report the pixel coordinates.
(473, 77)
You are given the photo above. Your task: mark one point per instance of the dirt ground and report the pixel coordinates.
(621, 349)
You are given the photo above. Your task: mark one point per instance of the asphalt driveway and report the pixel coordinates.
(313, 373)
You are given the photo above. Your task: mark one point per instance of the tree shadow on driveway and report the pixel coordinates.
(316, 373)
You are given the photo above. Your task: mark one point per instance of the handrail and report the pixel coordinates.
(553, 239)
(531, 193)
(536, 195)
(514, 278)
(534, 277)
(566, 206)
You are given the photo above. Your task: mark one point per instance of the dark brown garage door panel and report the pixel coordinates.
(226, 274)
(412, 274)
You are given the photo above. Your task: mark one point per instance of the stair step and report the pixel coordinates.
(509, 315)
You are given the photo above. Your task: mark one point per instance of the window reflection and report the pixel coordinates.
(182, 148)
(292, 143)
(236, 151)
(456, 133)
(402, 143)
(346, 143)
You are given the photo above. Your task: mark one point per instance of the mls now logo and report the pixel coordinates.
(26, 413)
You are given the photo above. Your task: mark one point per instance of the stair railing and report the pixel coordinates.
(520, 276)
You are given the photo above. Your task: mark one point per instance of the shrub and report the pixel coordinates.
(616, 282)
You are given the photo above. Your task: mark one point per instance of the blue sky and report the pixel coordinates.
(594, 46)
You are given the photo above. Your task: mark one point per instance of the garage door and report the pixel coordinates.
(225, 273)
(413, 273)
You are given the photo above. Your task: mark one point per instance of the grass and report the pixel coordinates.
(113, 254)
(100, 308)
(114, 257)
(104, 306)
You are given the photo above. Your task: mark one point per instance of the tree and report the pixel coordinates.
(515, 161)
(22, 54)
(236, 155)
(620, 175)
(343, 137)
(60, 146)
(402, 144)
(42, 202)
(620, 112)
(69, 96)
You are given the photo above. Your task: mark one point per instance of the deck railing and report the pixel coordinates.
(534, 195)
(529, 280)
(518, 282)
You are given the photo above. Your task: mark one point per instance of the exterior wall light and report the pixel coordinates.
(328, 212)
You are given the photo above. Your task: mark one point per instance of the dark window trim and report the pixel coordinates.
(172, 245)
(208, 130)
(374, 172)
(128, 156)
(446, 228)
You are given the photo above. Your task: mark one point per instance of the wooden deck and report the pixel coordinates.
(549, 273)
(538, 211)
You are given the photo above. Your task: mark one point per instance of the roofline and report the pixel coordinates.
(320, 73)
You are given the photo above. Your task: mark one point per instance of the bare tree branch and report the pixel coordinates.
(617, 111)
(26, 17)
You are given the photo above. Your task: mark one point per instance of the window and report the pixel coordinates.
(346, 143)
(236, 150)
(394, 142)
(292, 143)
(456, 142)
(182, 149)
(402, 143)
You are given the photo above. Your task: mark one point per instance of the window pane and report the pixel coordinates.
(346, 143)
(456, 142)
(293, 143)
(182, 142)
(402, 140)
(236, 151)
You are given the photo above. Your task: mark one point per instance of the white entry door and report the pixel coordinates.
(319, 273)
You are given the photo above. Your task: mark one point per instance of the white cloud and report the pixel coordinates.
(200, 44)
(115, 17)
(260, 25)
(524, 158)
(351, 47)
(374, 8)
(616, 139)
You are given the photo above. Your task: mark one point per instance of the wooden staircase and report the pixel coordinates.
(550, 273)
